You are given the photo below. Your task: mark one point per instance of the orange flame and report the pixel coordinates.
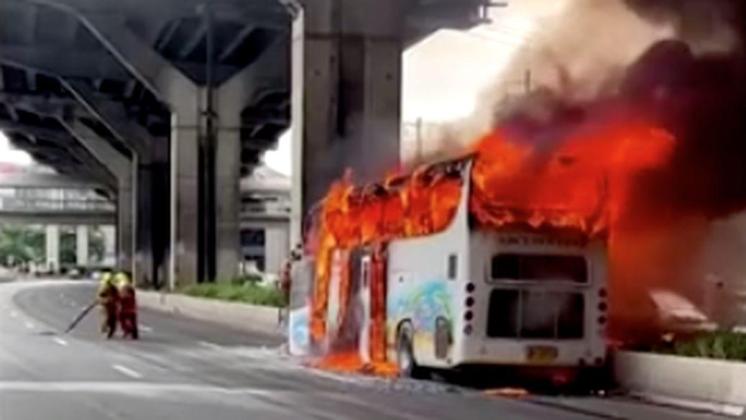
(582, 181)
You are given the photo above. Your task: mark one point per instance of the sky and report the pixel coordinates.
(10, 155)
(442, 76)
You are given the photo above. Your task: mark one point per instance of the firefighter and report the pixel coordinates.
(287, 269)
(285, 279)
(108, 300)
(127, 305)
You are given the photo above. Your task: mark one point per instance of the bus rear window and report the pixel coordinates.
(538, 267)
(533, 314)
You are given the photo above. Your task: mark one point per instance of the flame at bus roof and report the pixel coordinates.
(582, 183)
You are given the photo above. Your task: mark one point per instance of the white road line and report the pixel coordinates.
(145, 328)
(127, 371)
(30, 325)
(60, 341)
(210, 345)
(127, 388)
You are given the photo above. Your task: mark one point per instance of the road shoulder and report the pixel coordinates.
(244, 317)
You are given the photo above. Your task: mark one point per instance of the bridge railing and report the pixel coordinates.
(277, 209)
(63, 205)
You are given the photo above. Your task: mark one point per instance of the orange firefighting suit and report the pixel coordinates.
(127, 306)
(108, 300)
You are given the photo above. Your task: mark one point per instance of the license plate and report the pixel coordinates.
(541, 354)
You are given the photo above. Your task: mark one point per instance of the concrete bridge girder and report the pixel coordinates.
(149, 154)
(188, 102)
(146, 149)
(124, 170)
(113, 117)
(126, 55)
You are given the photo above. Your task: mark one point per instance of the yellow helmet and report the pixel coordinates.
(106, 277)
(107, 280)
(123, 279)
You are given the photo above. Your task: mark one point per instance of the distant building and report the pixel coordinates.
(265, 220)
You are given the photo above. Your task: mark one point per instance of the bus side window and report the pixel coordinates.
(452, 266)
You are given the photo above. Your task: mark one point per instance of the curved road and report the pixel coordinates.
(189, 370)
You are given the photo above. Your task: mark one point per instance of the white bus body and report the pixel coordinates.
(496, 297)
(475, 296)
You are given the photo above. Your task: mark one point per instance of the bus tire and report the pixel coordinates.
(405, 359)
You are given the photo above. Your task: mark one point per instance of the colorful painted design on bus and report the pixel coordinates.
(422, 303)
(299, 331)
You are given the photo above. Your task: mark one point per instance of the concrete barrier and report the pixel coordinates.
(249, 318)
(694, 383)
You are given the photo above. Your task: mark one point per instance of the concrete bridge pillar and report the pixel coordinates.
(149, 156)
(205, 182)
(52, 240)
(346, 83)
(144, 229)
(125, 224)
(184, 246)
(204, 159)
(123, 169)
(205, 153)
(110, 245)
(81, 245)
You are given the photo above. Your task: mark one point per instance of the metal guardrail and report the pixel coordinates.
(64, 205)
(32, 205)
(271, 209)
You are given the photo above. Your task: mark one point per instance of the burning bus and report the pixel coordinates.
(421, 271)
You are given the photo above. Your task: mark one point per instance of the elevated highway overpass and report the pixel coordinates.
(52, 200)
(167, 103)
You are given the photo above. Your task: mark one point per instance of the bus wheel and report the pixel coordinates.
(405, 355)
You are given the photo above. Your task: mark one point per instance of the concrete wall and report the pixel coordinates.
(276, 247)
(249, 318)
(692, 381)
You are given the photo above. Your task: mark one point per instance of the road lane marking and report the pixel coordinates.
(145, 328)
(127, 371)
(127, 388)
(210, 345)
(60, 341)
(30, 325)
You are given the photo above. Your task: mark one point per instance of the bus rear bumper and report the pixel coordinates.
(530, 354)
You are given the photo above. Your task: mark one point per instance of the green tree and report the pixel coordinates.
(21, 244)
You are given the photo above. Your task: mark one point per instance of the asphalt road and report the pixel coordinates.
(185, 369)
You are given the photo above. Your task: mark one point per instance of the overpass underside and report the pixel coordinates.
(167, 103)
